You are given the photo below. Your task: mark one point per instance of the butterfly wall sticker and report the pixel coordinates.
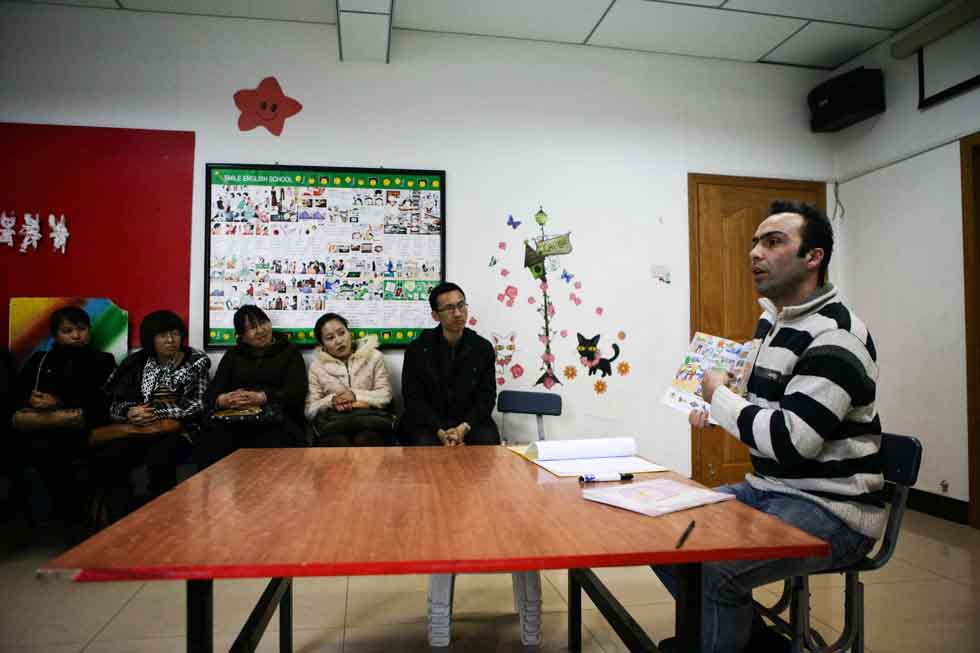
(493, 261)
(566, 276)
(512, 223)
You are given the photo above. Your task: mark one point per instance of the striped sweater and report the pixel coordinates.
(810, 420)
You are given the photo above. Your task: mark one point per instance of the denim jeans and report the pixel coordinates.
(726, 615)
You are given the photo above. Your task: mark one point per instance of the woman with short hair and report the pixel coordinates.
(349, 400)
(166, 379)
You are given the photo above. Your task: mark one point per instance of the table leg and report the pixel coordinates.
(688, 607)
(286, 620)
(612, 610)
(251, 634)
(574, 612)
(200, 616)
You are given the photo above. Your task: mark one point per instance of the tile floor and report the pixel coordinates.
(926, 599)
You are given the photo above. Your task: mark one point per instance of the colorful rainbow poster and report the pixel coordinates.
(29, 330)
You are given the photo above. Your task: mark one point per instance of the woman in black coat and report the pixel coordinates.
(70, 374)
(262, 372)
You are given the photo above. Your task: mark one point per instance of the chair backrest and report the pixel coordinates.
(901, 456)
(529, 403)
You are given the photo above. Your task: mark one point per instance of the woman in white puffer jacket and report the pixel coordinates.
(348, 403)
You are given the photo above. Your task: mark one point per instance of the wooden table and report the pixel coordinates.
(286, 513)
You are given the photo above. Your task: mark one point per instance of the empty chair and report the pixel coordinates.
(527, 584)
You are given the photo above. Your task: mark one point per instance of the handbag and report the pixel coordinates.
(270, 414)
(43, 419)
(32, 419)
(109, 432)
(353, 421)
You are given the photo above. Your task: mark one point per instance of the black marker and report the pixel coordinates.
(596, 478)
(684, 535)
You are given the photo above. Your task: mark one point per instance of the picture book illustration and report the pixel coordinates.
(709, 353)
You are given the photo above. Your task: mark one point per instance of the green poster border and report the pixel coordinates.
(319, 177)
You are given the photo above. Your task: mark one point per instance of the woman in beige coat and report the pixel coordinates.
(349, 398)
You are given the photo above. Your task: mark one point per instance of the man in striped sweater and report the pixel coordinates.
(809, 421)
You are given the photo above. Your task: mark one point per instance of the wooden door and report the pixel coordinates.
(970, 162)
(724, 214)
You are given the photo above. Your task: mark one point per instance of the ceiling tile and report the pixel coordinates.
(104, 4)
(659, 27)
(315, 11)
(826, 45)
(364, 37)
(570, 21)
(886, 14)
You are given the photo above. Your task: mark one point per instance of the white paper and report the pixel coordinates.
(617, 465)
(588, 456)
(654, 498)
(587, 448)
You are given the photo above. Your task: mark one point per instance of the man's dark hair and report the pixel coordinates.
(442, 289)
(815, 232)
(326, 317)
(159, 322)
(72, 314)
(248, 315)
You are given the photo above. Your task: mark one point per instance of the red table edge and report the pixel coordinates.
(394, 567)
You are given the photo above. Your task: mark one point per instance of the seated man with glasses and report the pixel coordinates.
(448, 382)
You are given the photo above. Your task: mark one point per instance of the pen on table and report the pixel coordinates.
(596, 478)
(685, 534)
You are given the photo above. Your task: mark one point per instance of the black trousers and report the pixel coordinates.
(54, 454)
(112, 462)
(219, 440)
(413, 435)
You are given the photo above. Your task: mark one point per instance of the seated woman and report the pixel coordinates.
(69, 375)
(350, 395)
(257, 392)
(165, 379)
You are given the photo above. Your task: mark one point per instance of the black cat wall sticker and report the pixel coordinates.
(588, 351)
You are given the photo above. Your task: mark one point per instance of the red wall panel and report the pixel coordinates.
(126, 194)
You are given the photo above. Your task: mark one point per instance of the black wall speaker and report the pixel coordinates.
(846, 99)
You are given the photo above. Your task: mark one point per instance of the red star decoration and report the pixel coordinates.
(266, 105)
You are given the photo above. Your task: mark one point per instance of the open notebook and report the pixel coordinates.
(588, 456)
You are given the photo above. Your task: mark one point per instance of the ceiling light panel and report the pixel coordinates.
(886, 14)
(364, 36)
(680, 29)
(826, 45)
(370, 6)
(314, 11)
(569, 21)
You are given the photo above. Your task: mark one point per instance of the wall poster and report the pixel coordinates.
(301, 241)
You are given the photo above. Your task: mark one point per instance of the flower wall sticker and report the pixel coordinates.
(547, 259)
(266, 106)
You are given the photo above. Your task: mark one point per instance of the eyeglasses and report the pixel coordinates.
(453, 308)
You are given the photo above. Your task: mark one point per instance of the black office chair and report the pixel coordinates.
(538, 404)
(527, 584)
(901, 455)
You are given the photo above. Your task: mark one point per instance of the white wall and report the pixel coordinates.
(603, 139)
(903, 258)
(905, 273)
